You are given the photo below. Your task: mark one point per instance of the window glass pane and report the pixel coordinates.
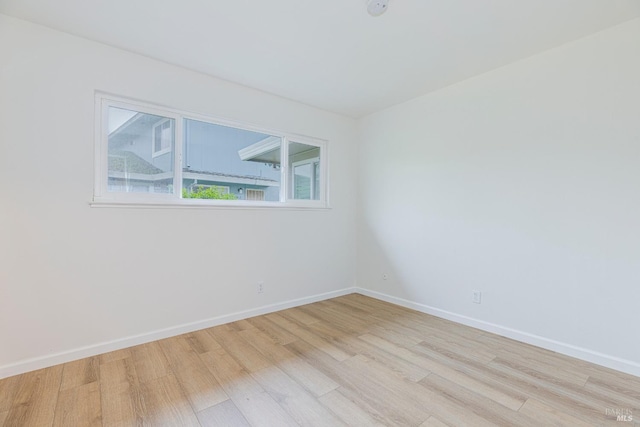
(140, 152)
(302, 176)
(234, 164)
(304, 164)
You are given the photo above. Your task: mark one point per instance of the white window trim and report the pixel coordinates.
(103, 198)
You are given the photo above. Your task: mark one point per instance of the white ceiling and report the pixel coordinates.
(331, 54)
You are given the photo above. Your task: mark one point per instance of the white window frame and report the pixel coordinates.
(104, 198)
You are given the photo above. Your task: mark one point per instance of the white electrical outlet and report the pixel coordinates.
(477, 297)
(260, 287)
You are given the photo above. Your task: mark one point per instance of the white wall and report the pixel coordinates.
(73, 276)
(523, 183)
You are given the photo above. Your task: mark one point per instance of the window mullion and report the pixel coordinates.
(177, 150)
(102, 165)
(284, 170)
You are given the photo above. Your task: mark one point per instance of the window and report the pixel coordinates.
(152, 155)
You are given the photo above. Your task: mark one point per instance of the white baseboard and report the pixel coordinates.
(33, 364)
(622, 365)
(92, 350)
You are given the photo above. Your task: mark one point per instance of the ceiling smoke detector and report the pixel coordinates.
(377, 7)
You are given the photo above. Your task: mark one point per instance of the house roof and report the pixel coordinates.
(139, 169)
(229, 178)
(133, 162)
(133, 128)
(264, 151)
(268, 150)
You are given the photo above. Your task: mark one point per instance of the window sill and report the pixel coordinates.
(207, 204)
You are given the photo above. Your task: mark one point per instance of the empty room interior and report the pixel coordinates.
(339, 213)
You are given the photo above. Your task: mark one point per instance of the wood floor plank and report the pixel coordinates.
(603, 394)
(429, 328)
(593, 397)
(255, 404)
(369, 305)
(617, 384)
(433, 422)
(121, 400)
(380, 386)
(580, 405)
(549, 416)
(301, 371)
(295, 400)
(357, 388)
(351, 344)
(515, 383)
(197, 382)
(369, 404)
(222, 414)
(35, 401)
(8, 389)
(542, 360)
(345, 321)
(518, 383)
(309, 336)
(508, 400)
(417, 401)
(349, 411)
(79, 372)
(203, 341)
(351, 360)
(548, 367)
(165, 404)
(396, 335)
(79, 406)
(123, 409)
(460, 348)
(478, 403)
(248, 357)
(150, 362)
(471, 367)
(240, 325)
(298, 314)
(279, 334)
(115, 355)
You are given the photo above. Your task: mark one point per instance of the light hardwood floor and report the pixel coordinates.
(352, 361)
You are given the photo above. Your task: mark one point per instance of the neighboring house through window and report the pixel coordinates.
(148, 154)
(305, 171)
